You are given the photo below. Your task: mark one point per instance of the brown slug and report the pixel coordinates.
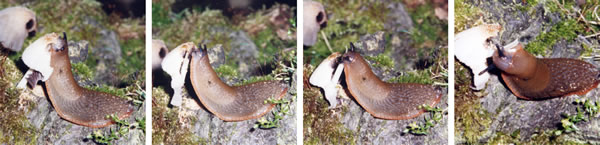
(230, 103)
(76, 104)
(532, 78)
(394, 101)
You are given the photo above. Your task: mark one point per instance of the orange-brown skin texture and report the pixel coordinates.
(231, 103)
(394, 101)
(532, 78)
(79, 105)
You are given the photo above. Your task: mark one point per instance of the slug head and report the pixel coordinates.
(57, 43)
(353, 61)
(198, 52)
(514, 60)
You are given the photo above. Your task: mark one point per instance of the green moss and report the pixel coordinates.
(82, 70)
(16, 128)
(346, 24)
(567, 30)
(255, 79)
(166, 127)
(503, 138)
(269, 43)
(473, 120)
(428, 28)
(419, 76)
(465, 14)
(381, 61)
(132, 92)
(320, 125)
(226, 71)
(195, 26)
(133, 59)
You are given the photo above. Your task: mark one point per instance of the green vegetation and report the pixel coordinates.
(423, 128)
(473, 120)
(465, 15)
(134, 92)
(16, 128)
(83, 71)
(382, 60)
(568, 123)
(227, 71)
(429, 31)
(346, 25)
(123, 127)
(282, 108)
(319, 125)
(565, 30)
(166, 126)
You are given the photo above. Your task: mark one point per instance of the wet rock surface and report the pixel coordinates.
(523, 119)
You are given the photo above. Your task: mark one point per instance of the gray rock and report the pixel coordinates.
(399, 24)
(78, 51)
(372, 44)
(216, 55)
(398, 20)
(244, 50)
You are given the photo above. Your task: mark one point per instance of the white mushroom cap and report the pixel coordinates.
(472, 49)
(176, 64)
(16, 23)
(159, 52)
(325, 77)
(314, 17)
(37, 55)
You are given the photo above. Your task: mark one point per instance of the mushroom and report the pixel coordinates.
(159, 51)
(16, 24)
(314, 18)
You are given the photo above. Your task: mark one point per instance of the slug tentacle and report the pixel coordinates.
(533, 78)
(385, 100)
(226, 102)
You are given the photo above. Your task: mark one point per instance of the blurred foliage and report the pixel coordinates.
(345, 25)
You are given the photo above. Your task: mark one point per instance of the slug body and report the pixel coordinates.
(231, 103)
(532, 78)
(74, 103)
(473, 49)
(393, 101)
